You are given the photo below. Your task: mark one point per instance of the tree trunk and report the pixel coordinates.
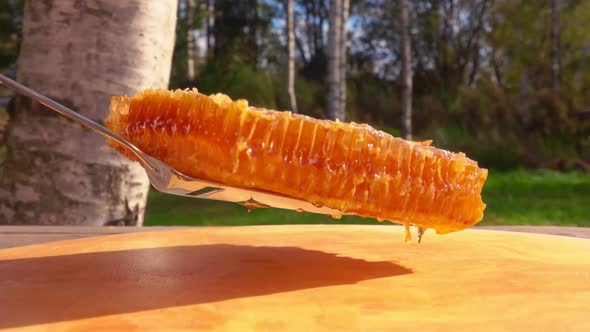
(555, 41)
(475, 65)
(81, 53)
(253, 24)
(291, 57)
(406, 70)
(254, 27)
(497, 70)
(217, 29)
(333, 73)
(342, 58)
(320, 26)
(209, 26)
(190, 41)
(310, 27)
(525, 109)
(299, 45)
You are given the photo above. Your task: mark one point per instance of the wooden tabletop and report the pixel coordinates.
(14, 236)
(298, 278)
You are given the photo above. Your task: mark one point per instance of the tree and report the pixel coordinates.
(209, 19)
(555, 52)
(291, 57)
(333, 67)
(406, 75)
(310, 38)
(190, 41)
(80, 54)
(235, 30)
(446, 48)
(343, 56)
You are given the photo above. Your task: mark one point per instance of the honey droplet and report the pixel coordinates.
(407, 234)
(421, 232)
(253, 204)
(336, 216)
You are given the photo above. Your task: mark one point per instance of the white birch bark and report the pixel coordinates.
(191, 51)
(81, 53)
(406, 74)
(342, 58)
(291, 57)
(333, 57)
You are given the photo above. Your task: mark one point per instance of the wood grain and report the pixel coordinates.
(298, 278)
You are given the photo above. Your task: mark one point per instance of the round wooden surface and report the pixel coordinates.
(298, 278)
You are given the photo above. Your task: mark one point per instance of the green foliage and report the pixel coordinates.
(243, 29)
(309, 95)
(372, 100)
(521, 33)
(502, 130)
(11, 15)
(395, 132)
(239, 81)
(491, 149)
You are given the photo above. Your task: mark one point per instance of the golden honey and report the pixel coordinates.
(346, 166)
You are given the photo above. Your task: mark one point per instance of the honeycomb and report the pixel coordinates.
(350, 167)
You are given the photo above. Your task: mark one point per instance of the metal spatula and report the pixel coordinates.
(168, 180)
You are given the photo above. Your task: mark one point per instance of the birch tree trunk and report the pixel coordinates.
(333, 54)
(190, 41)
(291, 57)
(406, 70)
(555, 41)
(80, 53)
(209, 25)
(342, 58)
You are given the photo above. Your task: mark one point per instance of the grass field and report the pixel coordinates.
(513, 198)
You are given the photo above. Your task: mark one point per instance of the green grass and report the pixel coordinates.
(168, 210)
(513, 198)
(537, 198)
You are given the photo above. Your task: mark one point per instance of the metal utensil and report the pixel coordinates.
(168, 180)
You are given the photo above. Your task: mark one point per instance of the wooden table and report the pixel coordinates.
(14, 236)
(297, 278)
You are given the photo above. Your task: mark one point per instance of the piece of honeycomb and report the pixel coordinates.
(346, 166)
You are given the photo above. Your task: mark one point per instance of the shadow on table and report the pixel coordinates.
(59, 288)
